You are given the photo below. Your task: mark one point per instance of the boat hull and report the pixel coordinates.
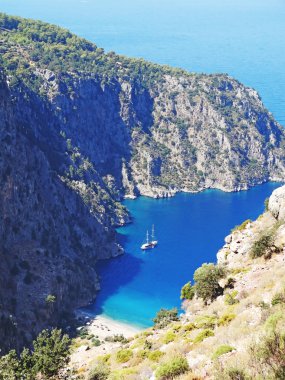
(150, 245)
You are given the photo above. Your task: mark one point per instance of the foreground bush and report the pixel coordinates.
(187, 292)
(203, 335)
(262, 245)
(278, 298)
(100, 372)
(50, 354)
(172, 368)
(242, 226)
(207, 281)
(164, 317)
(224, 349)
(269, 356)
(124, 355)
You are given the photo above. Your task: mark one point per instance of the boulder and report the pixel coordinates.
(276, 204)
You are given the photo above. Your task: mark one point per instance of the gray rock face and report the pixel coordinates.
(276, 204)
(169, 140)
(49, 240)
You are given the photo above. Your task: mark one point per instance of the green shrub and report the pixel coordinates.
(50, 299)
(278, 298)
(224, 349)
(230, 298)
(207, 281)
(172, 368)
(104, 359)
(206, 322)
(99, 372)
(236, 374)
(142, 354)
(168, 337)
(51, 352)
(189, 327)
(226, 319)
(124, 355)
(147, 345)
(83, 333)
(273, 320)
(116, 338)
(266, 202)
(203, 335)
(187, 292)
(155, 356)
(95, 342)
(262, 245)
(242, 226)
(269, 355)
(164, 317)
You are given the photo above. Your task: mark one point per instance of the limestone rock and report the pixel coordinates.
(276, 204)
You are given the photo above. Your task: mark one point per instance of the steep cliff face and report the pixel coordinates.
(50, 240)
(183, 133)
(146, 129)
(80, 129)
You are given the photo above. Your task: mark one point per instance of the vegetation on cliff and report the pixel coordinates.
(174, 130)
(50, 354)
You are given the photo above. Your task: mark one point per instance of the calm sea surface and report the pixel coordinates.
(190, 229)
(243, 38)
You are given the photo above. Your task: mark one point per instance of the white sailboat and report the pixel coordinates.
(149, 244)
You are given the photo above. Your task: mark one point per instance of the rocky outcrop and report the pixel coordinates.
(276, 203)
(239, 243)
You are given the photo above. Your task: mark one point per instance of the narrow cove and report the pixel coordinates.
(190, 229)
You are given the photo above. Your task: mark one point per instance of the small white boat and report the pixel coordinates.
(149, 244)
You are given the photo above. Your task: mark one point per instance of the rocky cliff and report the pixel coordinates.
(145, 128)
(81, 129)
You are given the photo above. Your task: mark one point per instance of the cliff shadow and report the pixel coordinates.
(114, 275)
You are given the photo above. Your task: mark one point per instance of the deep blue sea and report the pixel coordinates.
(190, 229)
(245, 38)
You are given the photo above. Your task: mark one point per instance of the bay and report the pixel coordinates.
(190, 229)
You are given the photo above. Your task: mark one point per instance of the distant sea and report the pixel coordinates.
(243, 38)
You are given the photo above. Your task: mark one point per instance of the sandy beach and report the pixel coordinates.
(101, 327)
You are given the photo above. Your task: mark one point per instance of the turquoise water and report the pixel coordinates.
(244, 38)
(190, 229)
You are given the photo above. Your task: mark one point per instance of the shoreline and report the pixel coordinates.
(103, 326)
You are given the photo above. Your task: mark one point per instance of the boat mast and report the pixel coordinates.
(152, 232)
(147, 240)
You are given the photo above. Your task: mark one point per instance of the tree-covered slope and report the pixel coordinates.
(157, 130)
